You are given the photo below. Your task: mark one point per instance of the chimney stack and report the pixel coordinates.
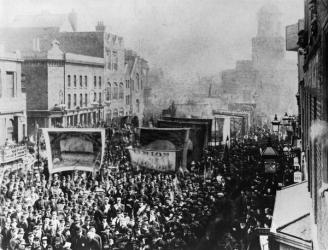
(100, 27)
(72, 17)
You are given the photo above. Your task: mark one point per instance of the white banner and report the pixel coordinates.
(158, 160)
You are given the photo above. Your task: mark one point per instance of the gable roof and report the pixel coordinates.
(269, 151)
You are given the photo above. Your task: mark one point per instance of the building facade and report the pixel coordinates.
(117, 95)
(63, 89)
(136, 81)
(311, 37)
(12, 99)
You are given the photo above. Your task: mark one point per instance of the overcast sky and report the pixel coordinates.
(182, 36)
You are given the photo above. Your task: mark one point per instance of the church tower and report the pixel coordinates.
(268, 45)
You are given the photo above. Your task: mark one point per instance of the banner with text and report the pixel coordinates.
(158, 160)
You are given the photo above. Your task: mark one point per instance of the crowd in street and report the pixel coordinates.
(217, 204)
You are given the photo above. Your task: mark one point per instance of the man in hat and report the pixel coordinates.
(106, 236)
(91, 242)
(44, 243)
(79, 241)
(58, 244)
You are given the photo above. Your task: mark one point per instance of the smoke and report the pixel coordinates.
(319, 132)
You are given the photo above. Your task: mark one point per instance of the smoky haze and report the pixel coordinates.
(186, 38)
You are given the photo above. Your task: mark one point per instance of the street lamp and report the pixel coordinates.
(275, 124)
(286, 120)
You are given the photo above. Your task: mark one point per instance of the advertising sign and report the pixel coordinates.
(158, 160)
(71, 149)
(297, 176)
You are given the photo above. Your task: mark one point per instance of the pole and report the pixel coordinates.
(215, 127)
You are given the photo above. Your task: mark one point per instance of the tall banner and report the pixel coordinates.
(158, 160)
(197, 136)
(71, 149)
(166, 139)
(202, 120)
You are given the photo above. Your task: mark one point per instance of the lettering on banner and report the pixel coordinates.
(158, 160)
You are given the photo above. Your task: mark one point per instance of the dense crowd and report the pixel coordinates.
(217, 204)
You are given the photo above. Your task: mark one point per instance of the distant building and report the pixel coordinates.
(12, 99)
(136, 83)
(266, 79)
(63, 89)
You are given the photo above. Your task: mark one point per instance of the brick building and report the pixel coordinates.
(12, 98)
(63, 89)
(39, 31)
(309, 38)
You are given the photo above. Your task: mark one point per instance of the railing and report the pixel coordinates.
(12, 153)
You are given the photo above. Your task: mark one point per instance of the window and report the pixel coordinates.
(115, 114)
(109, 116)
(138, 81)
(121, 95)
(115, 60)
(94, 97)
(138, 106)
(115, 96)
(10, 130)
(69, 81)
(81, 83)
(74, 102)
(86, 100)
(99, 97)
(86, 81)
(74, 81)
(121, 111)
(127, 99)
(109, 59)
(11, 84)
(95, 82)
(81, 100)
(100, 82)
(23, 83)
(69, 101)
(108, 91)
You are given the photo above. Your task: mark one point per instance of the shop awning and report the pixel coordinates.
(291, 216)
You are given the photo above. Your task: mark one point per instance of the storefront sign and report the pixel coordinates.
(158, 160)
(297, 176)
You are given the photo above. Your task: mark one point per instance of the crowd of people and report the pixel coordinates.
(217, 204)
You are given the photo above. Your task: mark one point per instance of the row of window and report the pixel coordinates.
(97, 81)
(83, 100)
(112, 60)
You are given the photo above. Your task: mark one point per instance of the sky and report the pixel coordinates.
(184, 37)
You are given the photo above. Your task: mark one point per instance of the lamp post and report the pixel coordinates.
(275, 125)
